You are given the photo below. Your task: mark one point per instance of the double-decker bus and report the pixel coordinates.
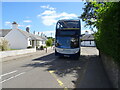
(67, 38)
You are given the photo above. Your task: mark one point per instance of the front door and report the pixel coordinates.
(33, 43)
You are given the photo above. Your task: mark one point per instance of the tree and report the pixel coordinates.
(53, 39)
(90, 14)
(107, 21)
(49, 42)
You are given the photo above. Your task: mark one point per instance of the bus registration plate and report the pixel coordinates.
(66, 56)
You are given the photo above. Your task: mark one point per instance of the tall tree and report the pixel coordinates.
(90, 14)
(105, 17)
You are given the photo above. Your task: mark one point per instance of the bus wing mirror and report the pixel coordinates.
(80, 35)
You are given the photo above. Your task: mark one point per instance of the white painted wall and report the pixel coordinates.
(40, 43)
(43, 43)
(16, 52)
(29, 42)
(17, 40)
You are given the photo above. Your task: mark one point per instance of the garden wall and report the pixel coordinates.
(16, 52)
(112, 69)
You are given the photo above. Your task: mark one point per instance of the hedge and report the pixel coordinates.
(108, 36)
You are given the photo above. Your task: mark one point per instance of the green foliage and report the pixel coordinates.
(107, 22)
(49, 42)
(89, 15)
(53, 39)
(45, 46)
(4, 45)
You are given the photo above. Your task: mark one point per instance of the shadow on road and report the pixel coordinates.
(61, 66)
(88, 69)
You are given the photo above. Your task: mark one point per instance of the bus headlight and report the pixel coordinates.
(76, 50)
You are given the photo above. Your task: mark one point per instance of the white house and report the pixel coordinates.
(19, 39)
(87, 40)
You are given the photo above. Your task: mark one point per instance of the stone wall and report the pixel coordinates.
(111, 68)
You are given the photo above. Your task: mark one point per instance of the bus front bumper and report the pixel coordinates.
(67, 52)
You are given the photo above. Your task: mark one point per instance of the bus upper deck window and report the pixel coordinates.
(59, 26)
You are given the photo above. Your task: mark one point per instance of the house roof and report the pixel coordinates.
(87, 37)
(4, 32)
(32, 36)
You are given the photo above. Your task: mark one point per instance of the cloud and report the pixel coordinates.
(65, 15)
(48, 20)
(27, 21)
(48, 7)
(48, 12)
(19, 25)
(7, 23)
(50, 17)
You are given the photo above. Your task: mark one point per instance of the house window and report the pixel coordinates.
(42, 42)
(30, 42)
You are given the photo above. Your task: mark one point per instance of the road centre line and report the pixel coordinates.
(8, 73)
(59, 81)
(12, 77)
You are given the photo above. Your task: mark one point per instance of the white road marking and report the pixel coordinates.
(8, 73)
(12, 77)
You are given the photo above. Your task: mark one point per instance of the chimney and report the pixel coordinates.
(38, 33)
(86, 32)
(14, 25)
(27, 29)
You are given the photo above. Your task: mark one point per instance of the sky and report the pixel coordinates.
(40, 16)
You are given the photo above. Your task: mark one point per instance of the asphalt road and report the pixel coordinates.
(45, 70)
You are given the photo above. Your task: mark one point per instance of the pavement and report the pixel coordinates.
(44, 70)
(93, 75)
(38, 52)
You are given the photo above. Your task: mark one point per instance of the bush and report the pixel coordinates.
(45, 46)
(49, 42)
(41, 47)
(4, 45)
(29, 47)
